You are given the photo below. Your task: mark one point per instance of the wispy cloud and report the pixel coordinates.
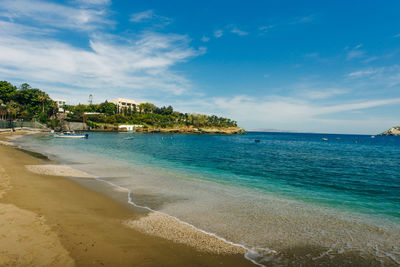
(370, 59)
(150, 16)
(384, 78)
(324, 93)
(365, 72)
(142, 65)
(218, 33)
(266, 28)
(142, 16)
(93, 2)
(239, 32)
(355, 52)
(397, 35)
(110, 66)
(53, 15)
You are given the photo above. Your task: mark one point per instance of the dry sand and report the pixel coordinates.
(48, 220)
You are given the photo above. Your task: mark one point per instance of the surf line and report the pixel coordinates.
(249, 251)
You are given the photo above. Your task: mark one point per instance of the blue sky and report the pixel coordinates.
(313, 66)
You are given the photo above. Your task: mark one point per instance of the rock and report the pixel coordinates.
(394, 131)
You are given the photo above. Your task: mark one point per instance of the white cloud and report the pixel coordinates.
(239, 32)
(93, 2)
(370, 59)
(111, 65)
(55, 15)
(218, 33)
(325, 93)
(365, 72)
(266, 28)
(355, 52)
(379, 77)
(141, 16)
(150, 16)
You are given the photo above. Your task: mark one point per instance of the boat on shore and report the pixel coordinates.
(70, 135)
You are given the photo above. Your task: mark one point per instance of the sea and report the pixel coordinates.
(297, 199)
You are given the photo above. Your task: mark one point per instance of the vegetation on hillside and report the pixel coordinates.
(144, 114)
(28, 103)
(25, 103)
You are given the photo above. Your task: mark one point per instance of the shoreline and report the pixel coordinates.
(30, 191)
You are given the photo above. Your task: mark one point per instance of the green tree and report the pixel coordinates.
(107, 108)
(7, 91)
(42, 98)
(25, 86)
(147, 107)
(12, 110)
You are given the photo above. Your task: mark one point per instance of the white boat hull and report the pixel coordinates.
(70, 136)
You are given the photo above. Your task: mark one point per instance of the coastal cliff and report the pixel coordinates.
(177, 129)
(394, 131)
(194, 130)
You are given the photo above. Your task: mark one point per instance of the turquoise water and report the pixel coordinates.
(355, 172)
(248, 189)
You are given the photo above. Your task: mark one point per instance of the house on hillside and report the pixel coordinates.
(126, 104)
(60, 104)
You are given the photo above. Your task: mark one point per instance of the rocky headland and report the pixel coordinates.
(394, 131)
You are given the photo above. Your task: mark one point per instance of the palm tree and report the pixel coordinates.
(53, 109)
(3, 110)
(12, 109)
(42, 97)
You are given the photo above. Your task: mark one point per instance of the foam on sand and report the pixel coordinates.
(5, 143)
(58, 170)
(167, 227)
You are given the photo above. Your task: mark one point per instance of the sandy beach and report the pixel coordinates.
(49, 220)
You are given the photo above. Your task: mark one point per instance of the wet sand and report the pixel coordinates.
(56, 221)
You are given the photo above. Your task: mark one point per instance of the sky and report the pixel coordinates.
(309, 66)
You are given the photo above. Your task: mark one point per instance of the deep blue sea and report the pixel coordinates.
(345, 184)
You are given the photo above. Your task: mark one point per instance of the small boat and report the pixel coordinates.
(324, 139)
(257, 140)
(372, 136)
(70, 135)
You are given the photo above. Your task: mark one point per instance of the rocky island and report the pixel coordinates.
(394, 131)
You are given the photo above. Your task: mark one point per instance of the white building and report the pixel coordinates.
(60, 103)
(123, 103)
(131, 127)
